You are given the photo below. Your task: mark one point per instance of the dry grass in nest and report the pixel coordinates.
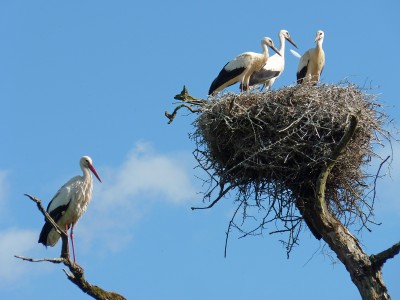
(271, 145)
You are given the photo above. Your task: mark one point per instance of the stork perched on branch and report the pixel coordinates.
(312, 62)
(69, 203)
(241, 67)
(274, 66)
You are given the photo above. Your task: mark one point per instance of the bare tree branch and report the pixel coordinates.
(172, 116)
(321, 182)
(191, 103)
(56, 260)
(378, 260)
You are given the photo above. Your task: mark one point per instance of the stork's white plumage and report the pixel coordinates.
(69, 203)
(274, 66)
(241, 67)
(312, 62)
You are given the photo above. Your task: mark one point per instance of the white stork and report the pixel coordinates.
(274, 66)
(312, 62)
(241, 67)
(69, 203)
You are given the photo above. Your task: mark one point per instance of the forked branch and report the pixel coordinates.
(191, 103)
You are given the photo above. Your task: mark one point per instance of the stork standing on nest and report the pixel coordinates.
(312, 62)
(274, 66)
(69, 203)
(241, 67)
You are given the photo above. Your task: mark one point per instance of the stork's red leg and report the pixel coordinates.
(72, 240)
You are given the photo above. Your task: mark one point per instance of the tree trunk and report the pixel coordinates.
(365, 271)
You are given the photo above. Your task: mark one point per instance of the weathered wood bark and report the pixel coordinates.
(364, 272)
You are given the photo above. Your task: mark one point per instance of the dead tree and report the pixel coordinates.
(76, 273)
(293, 156)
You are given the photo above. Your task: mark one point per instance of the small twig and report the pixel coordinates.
(172, 116)
(376, 178)
(293, 123)
(186, 97)
(192, 104)
(57, 260)
(222, 193)
(229, 228)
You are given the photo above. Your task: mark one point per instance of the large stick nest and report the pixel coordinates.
(272, 145)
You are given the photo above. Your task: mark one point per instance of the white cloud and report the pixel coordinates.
(129, 190)
(15, 241)
(147, 173)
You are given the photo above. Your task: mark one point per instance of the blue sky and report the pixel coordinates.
(95, 77)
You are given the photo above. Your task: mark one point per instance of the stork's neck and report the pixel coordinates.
(319, 44)
(87, 176)
(282, 49)
(265, 51)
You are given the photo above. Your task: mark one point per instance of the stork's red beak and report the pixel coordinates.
(94, 172)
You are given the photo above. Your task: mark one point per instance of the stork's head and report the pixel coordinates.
(268, 42)
(286, 35)
(319, 36)
(86, 163)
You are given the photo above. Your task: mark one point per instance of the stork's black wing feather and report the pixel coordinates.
(55, 214)
(302, 73)
(262, 76)
(223, 77)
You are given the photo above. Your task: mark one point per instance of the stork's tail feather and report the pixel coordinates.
(45, 233)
